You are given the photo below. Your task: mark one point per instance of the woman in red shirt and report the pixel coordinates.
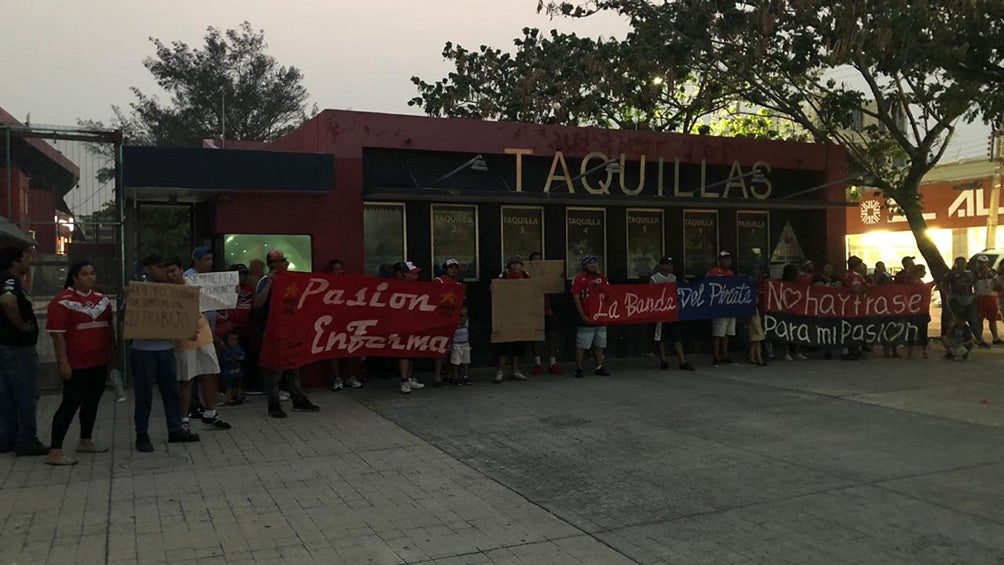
(80, 323)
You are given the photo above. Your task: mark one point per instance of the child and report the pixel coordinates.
(460, 350)
(958, 340)
(233, 370)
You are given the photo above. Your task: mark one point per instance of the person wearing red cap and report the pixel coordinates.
(277, 264)
(722, 328)
(406, 270)
(450, 276)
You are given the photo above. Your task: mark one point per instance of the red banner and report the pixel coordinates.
(317, 316)
(633, 304)
(889, 300)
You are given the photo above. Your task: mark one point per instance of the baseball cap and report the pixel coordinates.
(275, 256)
(450, 263)
(407, 267)
(725, 254)
(512, 260)
(908, 258)
(200, 252)
(982, 258)
(854, 261)
(665, 260)
(587, 259)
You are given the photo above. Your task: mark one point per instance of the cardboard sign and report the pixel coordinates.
(549, 275)
(218, 290)
(517, 311)
(161, 311)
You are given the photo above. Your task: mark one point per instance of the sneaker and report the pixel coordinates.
(729, 361)
(415, 385)
(601, 371)
(498, 377)
(276, 411)
(465, 380)
(578, 373)
(216, 423)
(519, 376)
(339, 384)
(555, 370)
(687, 367)
(62, 461)
(91, 448)
(353, 382)
(788, 357)
(714, 363)
(537, 369)
(405, 387)
(35, 450)
(306, 406)
(283, 396)
(143, 443)
(664, 365)
(800, 357)
(182, 436)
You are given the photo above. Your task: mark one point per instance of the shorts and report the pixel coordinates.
(668, 332)
(195, 362)
(511, 349)
(721, 327)
(460, 354)
(756, 328)
(587, 337)
(986, 308)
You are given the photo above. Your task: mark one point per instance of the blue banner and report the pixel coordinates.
(717, 297)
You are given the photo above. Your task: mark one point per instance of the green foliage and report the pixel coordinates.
(918, 68)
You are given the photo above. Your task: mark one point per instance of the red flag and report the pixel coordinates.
(633, 304)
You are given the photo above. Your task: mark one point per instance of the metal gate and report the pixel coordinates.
(61, 194)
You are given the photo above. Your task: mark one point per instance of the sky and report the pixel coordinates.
(67, 59)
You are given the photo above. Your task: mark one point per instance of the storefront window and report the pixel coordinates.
(753, 235)
(243, 247)
(384, 243)
(455, 236)
(700, 241)
(585, 234)
(645, 241)
(522, 231)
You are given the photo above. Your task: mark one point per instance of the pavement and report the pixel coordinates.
(869, 462)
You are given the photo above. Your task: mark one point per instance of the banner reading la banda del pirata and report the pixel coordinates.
(714, 297)
(316, 316)
(825, 316)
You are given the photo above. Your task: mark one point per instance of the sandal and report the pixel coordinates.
(63, 461)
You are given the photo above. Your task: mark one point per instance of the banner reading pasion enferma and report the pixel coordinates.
(825, 316)
(317, 316)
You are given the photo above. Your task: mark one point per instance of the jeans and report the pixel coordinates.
(160, 368)
(18, 396)
(82, 391)
(292, 380)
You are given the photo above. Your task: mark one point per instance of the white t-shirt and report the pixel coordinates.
(659, 278)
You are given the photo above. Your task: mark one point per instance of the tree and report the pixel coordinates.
(921, 68)
(565, 79)
(230, 87)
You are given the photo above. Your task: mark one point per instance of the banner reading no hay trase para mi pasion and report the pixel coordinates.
(825, 316)
(316, 316)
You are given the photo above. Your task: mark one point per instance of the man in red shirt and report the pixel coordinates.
(856, 281)
(450, 276)
(587, 287)
(904, 275)
(722, 328)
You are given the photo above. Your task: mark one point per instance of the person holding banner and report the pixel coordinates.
(961, 304)
(350, 366)
(84, 341)
(513, 350)
(408, 271)
(722, 328)
(551, 337)
(450, 276)
(917, 274)
(153, 363)
(986, 298)
(668, 331)
(277, 264)
(587, 286)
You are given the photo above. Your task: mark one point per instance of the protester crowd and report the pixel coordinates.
(225, 349)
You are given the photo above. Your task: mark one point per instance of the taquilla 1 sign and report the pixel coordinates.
(659, 176)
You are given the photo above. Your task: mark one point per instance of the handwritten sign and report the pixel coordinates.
(718, 297)
(549, 275)
(633, 304)
(218, 290)
(161, 311)
(316, 316)
(826, 316)
(517, 311)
